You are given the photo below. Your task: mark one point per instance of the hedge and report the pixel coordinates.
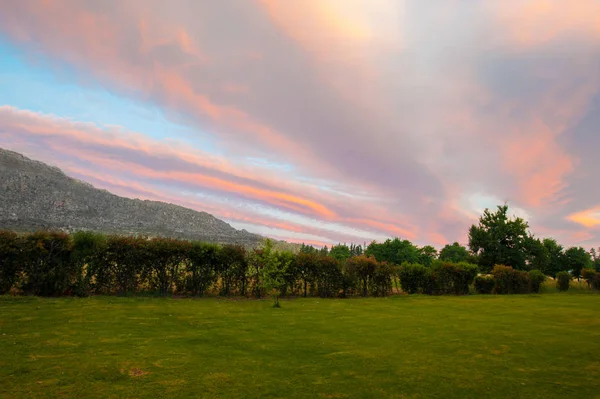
(51, 263)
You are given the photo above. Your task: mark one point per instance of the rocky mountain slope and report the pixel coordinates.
(34, 196)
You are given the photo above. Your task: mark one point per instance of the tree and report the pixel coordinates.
(595, 258)
(455, 253)
(274, 270)
(576, 259)
(426, 255)
(538, 256)
(306, 268)
(363, 267)
(499, 240)
(556, 257)
(394, 251)
(340, 252)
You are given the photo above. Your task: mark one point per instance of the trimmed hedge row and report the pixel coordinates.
(55, 264)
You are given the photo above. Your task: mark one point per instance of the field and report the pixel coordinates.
(536, 346)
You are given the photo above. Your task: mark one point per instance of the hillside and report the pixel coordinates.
(34, 195)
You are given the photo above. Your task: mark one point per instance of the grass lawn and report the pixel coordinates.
(538, 346)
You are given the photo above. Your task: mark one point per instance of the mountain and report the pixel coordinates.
(34, 195)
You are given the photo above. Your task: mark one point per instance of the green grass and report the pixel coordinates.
(539, 346)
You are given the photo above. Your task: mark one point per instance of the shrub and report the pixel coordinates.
(484, 284)
(10, 250)
(89, 250)
(165, 255)
(563, 279)
(536, 279)
(330, 280)
(47, 264)
(589, 275)
(454, 278)
(126, 258)
(306, 269)
(362, 268)
(381, 280)
(413, 277)
(510, 281)
(201, 267)
(233, 268)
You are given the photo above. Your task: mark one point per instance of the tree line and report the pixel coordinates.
(502, 258)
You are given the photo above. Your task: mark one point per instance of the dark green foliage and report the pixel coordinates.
(47, 264)
(556, 257)
(381, 280)
(536, 279)
(454, 278)
(306, 266)
(455, 253)
(394, 251)
(426, 255)
(499, 240)
(201, 267)
(510, 281)
(412, 277)
(340, 252)
(362, 268)
(164, 258)
(126, 259)
(563, 280)
(233, 270)
(592, 277)
(577, 259)
(484, 284)
(10, 263)
(538, 256)
(330, 280)
(88, 255)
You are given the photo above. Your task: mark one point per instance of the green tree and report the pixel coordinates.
(394, 251)
(499, 240)
(576, 259)
(426, 255)
(340, 252)
(307, 269)
(362, 267)
(556, 257)
(455, 253)
(273, 269)
(538, 256)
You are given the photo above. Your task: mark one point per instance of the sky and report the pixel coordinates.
(317, 121)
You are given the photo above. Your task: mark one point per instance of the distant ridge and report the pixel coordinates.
(34, 195)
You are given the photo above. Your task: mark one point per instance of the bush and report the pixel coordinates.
(126, 259)
(201, 267)
(381, 280)
(484, 284)
(165, 255)
(10, 251)
(330, 280)
(536, 279)
(590, 276)
(47, 264)
(563, 279)
(454, 278)
(88, 256)
(413, 277)
(510, 281)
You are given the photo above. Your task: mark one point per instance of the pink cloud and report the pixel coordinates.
(394, 118)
